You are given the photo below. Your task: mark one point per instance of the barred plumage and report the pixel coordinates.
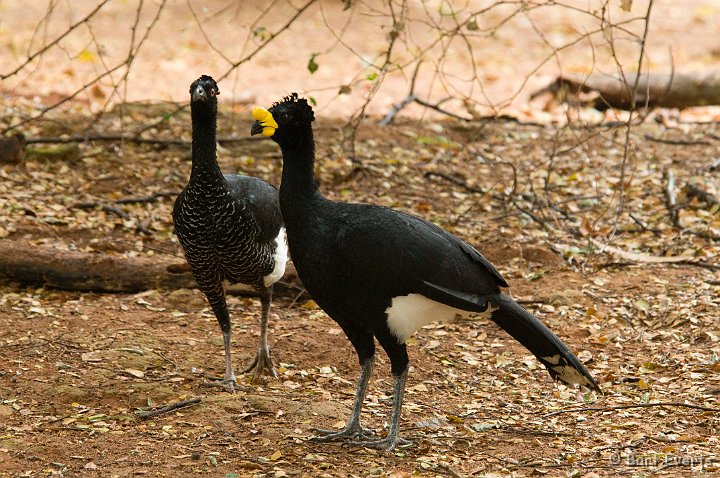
(229, 226)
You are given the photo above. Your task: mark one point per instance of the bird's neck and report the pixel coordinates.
(298, 177)
(204, 144)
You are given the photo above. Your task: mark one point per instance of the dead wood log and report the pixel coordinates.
(12, 149)
(694, 191)
(83, 271)
(678, 90)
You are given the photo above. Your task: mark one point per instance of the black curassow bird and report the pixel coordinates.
(230, 228)
(383, 274)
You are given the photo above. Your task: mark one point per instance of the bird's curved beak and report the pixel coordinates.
(256, 128)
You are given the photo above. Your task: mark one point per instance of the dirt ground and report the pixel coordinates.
(78, 366)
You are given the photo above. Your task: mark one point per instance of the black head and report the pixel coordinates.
(204, 90)
(289, 118)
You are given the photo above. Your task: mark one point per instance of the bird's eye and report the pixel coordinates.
(212, 91)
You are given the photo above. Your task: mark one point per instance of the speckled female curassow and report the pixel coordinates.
(230, 228)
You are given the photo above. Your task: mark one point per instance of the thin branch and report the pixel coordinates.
(351, 126)
(678, 142)
(88, 84)
(237, 63)
(55, 41)
(105, 207)
(132, 139)
(694, 191)
(169, 408)
(413, 98)
(671, 198)
(629, 123)
(146, 199)
(454, 180)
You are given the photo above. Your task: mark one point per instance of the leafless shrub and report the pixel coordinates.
(448, 57)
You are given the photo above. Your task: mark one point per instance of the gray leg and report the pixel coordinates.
(262, 359)
(229, 382)
(230, 379)
(392, 439)
(353, 429)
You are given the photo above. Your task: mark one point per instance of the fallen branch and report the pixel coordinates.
(670, 193)
(105, 207)
(454, 180)
(653, 89)
(146, 199)
(29, 264)
(450, 471)
(694, 191)
(72, 270)
(168, 408)
(637, 405)
(678, 142)
(109, 208)
(643, 225)
(131, 139)
(640, 257)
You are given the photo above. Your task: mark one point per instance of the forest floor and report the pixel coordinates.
(542, 203)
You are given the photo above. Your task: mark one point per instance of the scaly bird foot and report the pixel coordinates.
(229, 383)
(388, 443)
(260, 363)
(349, 433)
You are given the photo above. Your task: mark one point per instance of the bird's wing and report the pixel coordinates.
(418, 255)
(261, 200)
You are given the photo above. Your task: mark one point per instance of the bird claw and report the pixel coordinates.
(229, 385)
(388, 443)
(260, 363)
(348, 433)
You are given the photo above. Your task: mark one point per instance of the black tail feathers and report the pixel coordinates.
(524, 327)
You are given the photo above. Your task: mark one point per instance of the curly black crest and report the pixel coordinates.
(294, 102)
(207, 82)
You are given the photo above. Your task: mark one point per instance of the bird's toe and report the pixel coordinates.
(387, 443)
(347, 433)
(261, 363)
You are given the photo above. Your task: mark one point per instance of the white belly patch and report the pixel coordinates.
(408, 313)
(280, 257)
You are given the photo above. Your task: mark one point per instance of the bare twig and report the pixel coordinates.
(54, 42)
(146, 199)
(413, 98)
(130, 139)
(678, 142)
(408, 99)
(694, 191)
(88, 84)
(639, 257)
(234, 65)
(632, 109)
(670, 193)
(454, 180)
(450, 471)
(350, 129)
(105, 207)
(169, 408)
